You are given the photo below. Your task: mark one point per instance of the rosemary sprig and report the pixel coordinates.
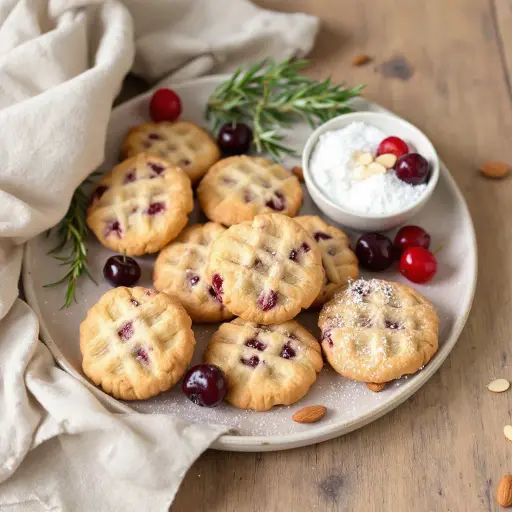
(271, 96)
(71, 250)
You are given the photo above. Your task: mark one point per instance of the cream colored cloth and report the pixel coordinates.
(61, 65)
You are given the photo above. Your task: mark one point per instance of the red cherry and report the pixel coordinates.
(165, 105)
(411, 236)
(394, 145)
(418, 264)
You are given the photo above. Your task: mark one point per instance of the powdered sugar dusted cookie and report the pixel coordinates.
(266, 270)
(238, 188)
(136, 342)
(377, 331)
(340, 263)
(180, 271)
(265, 365)
(140, 205)
(181, 143)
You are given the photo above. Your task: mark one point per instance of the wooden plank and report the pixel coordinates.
(438, 64)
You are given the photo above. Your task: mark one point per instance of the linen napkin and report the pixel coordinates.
(62, 63)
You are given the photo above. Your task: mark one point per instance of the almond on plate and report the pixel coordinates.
(361, 60)
(309, 414)
(298, 172)
(375, 386)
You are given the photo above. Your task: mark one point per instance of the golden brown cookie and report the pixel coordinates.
(238, 188)
(180, 271)
(340, 263)
(136, 342)
(265, 365)
(140, 205)
(266, 270)
(377, 331)
(181, 143)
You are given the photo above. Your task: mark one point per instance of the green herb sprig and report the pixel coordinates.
(273, 95)
(71, 250)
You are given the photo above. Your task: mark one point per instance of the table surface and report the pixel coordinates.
(446, 66)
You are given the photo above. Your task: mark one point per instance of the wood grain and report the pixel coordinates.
(446, 67)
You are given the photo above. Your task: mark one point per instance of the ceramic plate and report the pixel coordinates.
(350, 405)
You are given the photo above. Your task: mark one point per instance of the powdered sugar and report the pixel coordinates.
(337, 174)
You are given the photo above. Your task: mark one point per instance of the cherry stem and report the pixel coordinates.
(124, 256)
(438, 249)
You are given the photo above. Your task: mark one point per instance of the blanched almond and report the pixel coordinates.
(376, 168)
(309, 414)
(498, 385)
(364, 158)
(507, 430)
(388, 160)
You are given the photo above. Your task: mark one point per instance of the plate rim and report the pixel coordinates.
(260, 443)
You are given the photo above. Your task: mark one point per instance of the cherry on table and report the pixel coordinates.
(413, 169)
(205, 385)
(411, 236)
(375, 251)
(120, 270)
(418, 265)
(165, 105)
(394, 145)
(234, 138)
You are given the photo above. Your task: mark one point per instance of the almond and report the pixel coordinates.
(495, 169)
(504, 492)
(298, 172)
(364, 158)
(498, 385)
(309, 414)
(376, 386)
(388, 160)
(376, 168)
(507, 431)
(361, 60)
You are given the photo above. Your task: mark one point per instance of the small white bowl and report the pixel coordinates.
(390, 125)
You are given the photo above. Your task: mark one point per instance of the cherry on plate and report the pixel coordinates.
(375, 252)
(418, 265)
(205, 385)
(234, 138)
(394, 145)
(413, 169)
(121, 270)
(165, 105)
(411, 236)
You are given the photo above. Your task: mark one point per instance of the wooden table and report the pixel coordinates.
(446, 66)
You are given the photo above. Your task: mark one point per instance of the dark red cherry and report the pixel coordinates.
(277, 203)
(121, 270)
(287, 352)
(217, 282)
(267, 300)
(413, 169)
(320, 235)
(165, 105)
(411, 236)
(205, 385)
(234, 138)
(256, 343)
(375, 252)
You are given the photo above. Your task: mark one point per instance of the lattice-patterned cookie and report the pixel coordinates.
(136, 342)
(340, 263)
(266, 270)
(238, 188)
(181, 143)
(140, 205)
(180, 271)
(377, 331)
(265, 365)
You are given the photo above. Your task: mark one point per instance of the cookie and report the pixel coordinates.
(238, 188)
(181, 143)
(136, 342)
(265, 365)
(340, 263)
(266, 270)
(180, 271)
(377, 331)
(140, 205)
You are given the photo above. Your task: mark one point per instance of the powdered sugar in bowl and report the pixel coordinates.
(362, 184)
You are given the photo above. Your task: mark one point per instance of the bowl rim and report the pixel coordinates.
(313, 139)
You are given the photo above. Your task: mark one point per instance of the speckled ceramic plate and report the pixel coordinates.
(350, 405)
